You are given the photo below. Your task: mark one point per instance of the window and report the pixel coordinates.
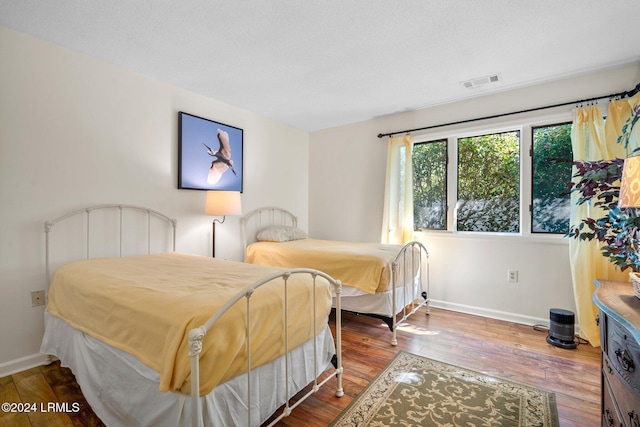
(551, 156)
(489, 183)
(430, 185)
(488, 195)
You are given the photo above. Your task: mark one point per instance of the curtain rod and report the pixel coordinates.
(624, 94)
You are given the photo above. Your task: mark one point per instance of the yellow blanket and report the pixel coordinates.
(147, 305)
(366, 266)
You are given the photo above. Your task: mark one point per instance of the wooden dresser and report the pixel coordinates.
(619, 320)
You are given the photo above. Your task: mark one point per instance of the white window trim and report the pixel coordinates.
(523, 123)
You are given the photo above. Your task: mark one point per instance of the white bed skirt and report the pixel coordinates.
(124, 392)
(380, 303)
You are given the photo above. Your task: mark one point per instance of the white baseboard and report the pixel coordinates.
(492, 314)
(18, 365)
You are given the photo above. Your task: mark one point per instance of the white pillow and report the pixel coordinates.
(280, 233)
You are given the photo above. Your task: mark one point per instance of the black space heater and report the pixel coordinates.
(561, 332)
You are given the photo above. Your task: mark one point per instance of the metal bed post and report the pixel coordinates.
(428, 290)
(337, 285)
(174, 224)
(195, 347)
(248, 298)
(285, 277)
(415, 272)
(394, 272)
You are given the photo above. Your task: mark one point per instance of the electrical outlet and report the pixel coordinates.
(37, 298)
(512, 275)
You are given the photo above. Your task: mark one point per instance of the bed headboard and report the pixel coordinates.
(107, 230)
(256, 220)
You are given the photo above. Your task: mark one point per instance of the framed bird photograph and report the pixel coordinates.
(209, 154)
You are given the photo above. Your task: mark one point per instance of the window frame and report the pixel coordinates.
(478, 135)
(446, 184)
(522, 122)
(531, 156)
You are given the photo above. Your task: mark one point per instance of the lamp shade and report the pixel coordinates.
(221, 203)
(630, 183)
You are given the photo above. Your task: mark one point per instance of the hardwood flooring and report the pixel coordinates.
(501, 349)
(44, 386)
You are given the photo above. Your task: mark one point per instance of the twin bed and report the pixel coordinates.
(389, 282)
(174, 339)
(157, 337)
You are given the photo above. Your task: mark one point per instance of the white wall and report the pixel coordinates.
(468, 273)
(75, 132)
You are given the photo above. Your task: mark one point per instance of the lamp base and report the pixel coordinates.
(213, 239)
(213, 236)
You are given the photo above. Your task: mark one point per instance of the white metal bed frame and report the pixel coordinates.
(48, 226)
(254, 221)
(197, 335)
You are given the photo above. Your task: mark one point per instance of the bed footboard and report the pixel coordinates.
(197, 335)
(410, 275)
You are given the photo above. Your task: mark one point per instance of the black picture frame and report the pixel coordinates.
(210, 154)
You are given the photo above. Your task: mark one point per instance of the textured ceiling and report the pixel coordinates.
(321, 64)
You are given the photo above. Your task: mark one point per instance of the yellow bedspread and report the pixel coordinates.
(366, 266)
(146, 305)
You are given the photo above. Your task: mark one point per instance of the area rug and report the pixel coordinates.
(416, 391)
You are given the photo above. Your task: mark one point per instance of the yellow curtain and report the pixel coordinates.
(593, 139)
(397, 219)
(620, 114)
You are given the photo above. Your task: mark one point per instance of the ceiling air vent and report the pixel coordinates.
(481, 81)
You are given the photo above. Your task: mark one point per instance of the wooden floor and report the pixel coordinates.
(501, 349)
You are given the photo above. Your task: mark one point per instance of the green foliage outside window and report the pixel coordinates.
(430, 185)
(551, 173)
(489, 183)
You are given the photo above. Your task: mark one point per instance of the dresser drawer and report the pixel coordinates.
(610, 416)
(624, 353)
(625, 399)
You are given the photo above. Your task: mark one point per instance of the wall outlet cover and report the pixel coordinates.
(37, 298)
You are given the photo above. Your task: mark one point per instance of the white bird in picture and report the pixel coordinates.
(223, 160)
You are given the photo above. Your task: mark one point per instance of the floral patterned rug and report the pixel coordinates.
(416, 391)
